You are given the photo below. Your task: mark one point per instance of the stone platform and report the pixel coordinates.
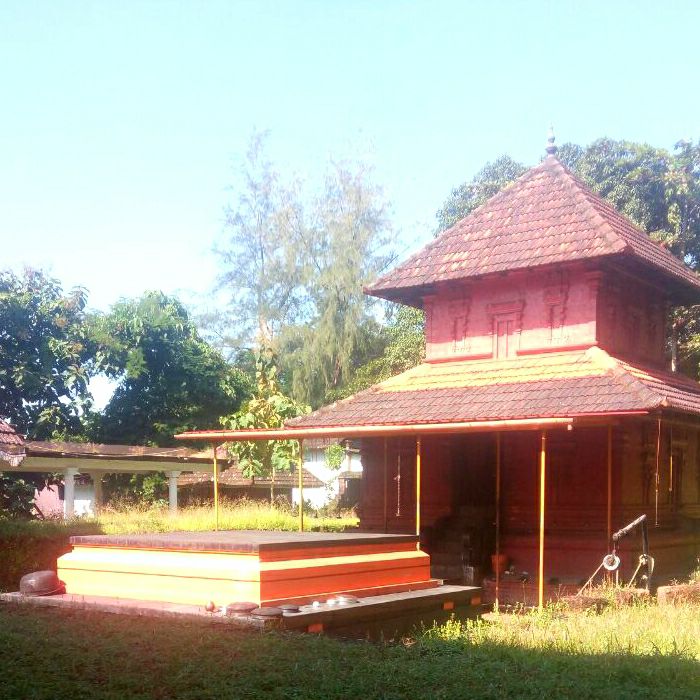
(374, 617)
(266, 568)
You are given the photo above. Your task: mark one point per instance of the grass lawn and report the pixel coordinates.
(639, 652)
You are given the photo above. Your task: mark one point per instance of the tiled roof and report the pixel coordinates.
(8, 436)
(90, 450)
(11, 446)
(550, 385)
(233, 477)
(547, 216)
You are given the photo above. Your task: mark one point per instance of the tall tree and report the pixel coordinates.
(169, 378)
(404, 338)
(295, 266)
(259, 266)
(44, 354)
(345, 242)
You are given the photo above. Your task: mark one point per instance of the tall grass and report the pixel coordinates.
(643, 628)
(236, 515)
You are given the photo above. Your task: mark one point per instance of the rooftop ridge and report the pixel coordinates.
(548, 216)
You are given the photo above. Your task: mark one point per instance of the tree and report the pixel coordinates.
(44, 354)
(490, 180)
(260, 268)
(268, 408)
(345, 243)
(169, 379)
(404, 338)
(295, 267)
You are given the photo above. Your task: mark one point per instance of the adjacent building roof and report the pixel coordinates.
(551, 385)
(234, 477)
(11, 445)
(547, 216)
(90, 450)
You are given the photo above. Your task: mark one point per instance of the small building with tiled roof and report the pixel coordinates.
(11, 446)
(82, 466)
(545, 416)
(197, 487)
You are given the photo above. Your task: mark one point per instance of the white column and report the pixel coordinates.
(97, 491)
(69, 475)
(172, 491)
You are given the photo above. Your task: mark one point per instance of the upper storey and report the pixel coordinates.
(546, 220)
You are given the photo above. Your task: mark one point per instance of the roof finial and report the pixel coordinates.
(551, 148)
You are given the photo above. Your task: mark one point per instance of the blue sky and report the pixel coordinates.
(121, 121)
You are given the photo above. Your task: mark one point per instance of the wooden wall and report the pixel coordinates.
(459, 471)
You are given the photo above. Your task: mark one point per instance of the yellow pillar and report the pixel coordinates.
(386, 485)
(498, 516)
(418, 474)
(543, 472)
(216, 488)
(301, 486)
(610, 465)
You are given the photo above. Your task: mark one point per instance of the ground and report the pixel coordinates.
(640, 652)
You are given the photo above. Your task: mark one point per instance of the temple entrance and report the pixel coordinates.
(462, 541)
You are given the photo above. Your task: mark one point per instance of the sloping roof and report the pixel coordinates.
(547, 216)
(91, 450)
(551, 385)
(8, 436)
(233, 477)
(11, 445)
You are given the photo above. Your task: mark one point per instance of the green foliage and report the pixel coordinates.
(344, 245)
(295, 265)
(169, 378)
(404, 339)
(334, 456)
(259, 265)
(490, 180)
(16, 494)
(43, 354)
(268, 408)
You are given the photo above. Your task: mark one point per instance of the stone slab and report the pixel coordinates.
(240, 541)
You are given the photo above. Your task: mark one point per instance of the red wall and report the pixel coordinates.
(546, 311)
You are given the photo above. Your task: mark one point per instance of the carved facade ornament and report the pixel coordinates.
(459, 310)
(556, 296)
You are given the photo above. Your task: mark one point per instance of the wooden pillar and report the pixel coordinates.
(543, 473)
(498, 516)
(301, 486)
(216, 488)
(610, 481)
(656, 475)
(386, 484)
(418, 474)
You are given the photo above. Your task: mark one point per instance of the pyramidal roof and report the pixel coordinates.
(546, 217)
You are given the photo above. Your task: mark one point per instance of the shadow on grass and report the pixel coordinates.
(75, 654)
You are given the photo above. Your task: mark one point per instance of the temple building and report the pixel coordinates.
(544, 417)
(544, 393)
